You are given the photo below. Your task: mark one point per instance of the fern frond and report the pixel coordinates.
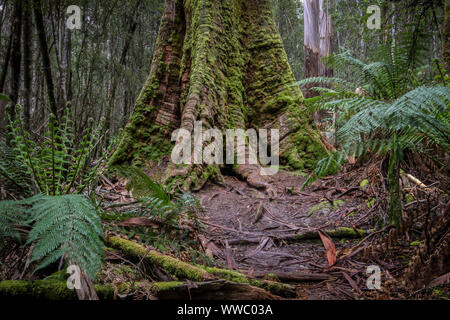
(141, 184)
(66, 225)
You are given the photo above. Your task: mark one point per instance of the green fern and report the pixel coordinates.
(13, 173)
(389, 115)
(142, 185)
(57, 164)
(11, 216)
(68, 226)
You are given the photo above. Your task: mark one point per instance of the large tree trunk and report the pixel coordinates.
(222, 63)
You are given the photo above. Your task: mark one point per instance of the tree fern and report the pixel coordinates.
(389, 114)
(68, 226)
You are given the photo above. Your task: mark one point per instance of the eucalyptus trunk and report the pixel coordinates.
(221, 63)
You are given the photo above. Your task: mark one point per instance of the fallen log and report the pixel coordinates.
(338, 233)
(56, 290)
(295, 277)
(174, 266)
(198, 273)
(217, 290)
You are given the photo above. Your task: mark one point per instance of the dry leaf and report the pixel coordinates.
(329, 248)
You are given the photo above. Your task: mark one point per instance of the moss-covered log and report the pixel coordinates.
(56, 290)
(339, 233)
(176, 267)
(183, 270)
(221, 63)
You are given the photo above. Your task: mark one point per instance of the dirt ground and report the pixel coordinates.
(251, 232)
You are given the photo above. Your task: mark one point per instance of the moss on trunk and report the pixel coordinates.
(222, 63)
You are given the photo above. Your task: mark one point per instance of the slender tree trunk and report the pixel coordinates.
(312, 38)
(27, 64)
(6, 62)
(326, 37)
(318, 39)
(221, 63)
(16, 58)
(109, 123)
(40, 28)
(446, 36)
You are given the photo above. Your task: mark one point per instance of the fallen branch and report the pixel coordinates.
(183, 270)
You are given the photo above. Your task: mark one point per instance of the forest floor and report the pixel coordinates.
(258, 233)
(320, 240)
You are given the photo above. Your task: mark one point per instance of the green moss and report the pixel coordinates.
(409, 198)
(52, 290)
(325, 205)
(273, 287)
(174, 266)
(415, 243)
(364, 183)
(338, 203)
(162, 286)
(230, 275)
(105, 292)
(9, 289)
(59, 275)
(440, 294)
(344, 232)
(278, 288)
(371, 203)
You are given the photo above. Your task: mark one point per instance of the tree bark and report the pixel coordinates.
(40, 28)
(221, 63)
(446, 35)
(318, 39)
(27, 64)
(16, 59)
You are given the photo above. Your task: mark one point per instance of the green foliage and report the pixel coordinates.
(13, 173)
(4, 97)
(141, 184)
(11, 216)
(66, 225)
(58, 165)
(391, 113)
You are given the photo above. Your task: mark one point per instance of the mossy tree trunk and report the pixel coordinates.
(222, 63)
